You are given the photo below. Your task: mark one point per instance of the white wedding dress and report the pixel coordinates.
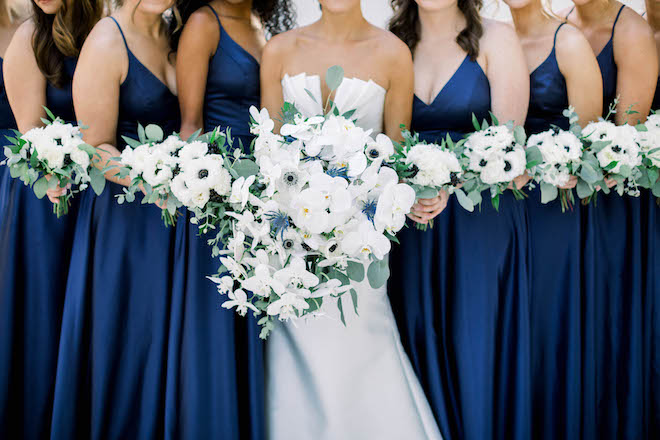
(335, 382)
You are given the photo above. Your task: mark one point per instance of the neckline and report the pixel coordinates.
(451, 79)
(306, 75)
(545, 61)
(153, 75)
(602, 51)
(224, 33)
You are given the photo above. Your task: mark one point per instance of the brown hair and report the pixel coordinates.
(60, 35)
(405, 24)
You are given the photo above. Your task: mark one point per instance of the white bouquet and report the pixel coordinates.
(317, 214)
(428, 168)
(54, 155)
(151, 163)
(618, 153)
(553, 157)
(491, 158)
(649, 141)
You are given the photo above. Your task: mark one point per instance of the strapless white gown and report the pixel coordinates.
(335, 382)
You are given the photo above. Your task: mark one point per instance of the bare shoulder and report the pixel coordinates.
(498, 34)
(105, 42)
(283, 43)
(570, 38)
(632, 28)
(390, 47)
(23, 35)
(202, 19)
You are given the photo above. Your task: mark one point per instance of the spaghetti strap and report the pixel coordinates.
(569, 13)
(617, 19)
(214, 13)
(554, 43)
(121, 32)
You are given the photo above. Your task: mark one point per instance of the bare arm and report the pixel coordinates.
(24, 82)
(198, 41)
(507, 72)
(102, 66)
(579, 66)
(636, 58)
(271, 78)
(399, 98)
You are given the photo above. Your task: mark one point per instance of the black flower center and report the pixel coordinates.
(203, 174)
(453, 178)
(290, 178)
(288, 244)
(333, 248)
(508, 149)
(307, 248)
(616, 149)
(374, 153)
(507, 166)
(567, 148)
(483, 162)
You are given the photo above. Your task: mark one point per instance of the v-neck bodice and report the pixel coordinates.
(144, 99)
(232, 86)
(548, 95)
(467, 92)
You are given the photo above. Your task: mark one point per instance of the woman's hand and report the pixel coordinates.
(426, 210)
(57, 192)
(572, 183)
(520, 181)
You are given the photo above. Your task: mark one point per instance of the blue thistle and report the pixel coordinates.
(279, 222)
(369, 209)
(338, 172)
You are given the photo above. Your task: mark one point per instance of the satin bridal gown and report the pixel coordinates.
(330, 381)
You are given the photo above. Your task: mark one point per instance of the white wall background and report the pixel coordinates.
(378, 11)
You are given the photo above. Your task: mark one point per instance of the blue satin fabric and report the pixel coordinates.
(222, 365)
(612, 364)
(555, 246)
(460, 292)
(232, 86)
(119, 352)
(35, 249)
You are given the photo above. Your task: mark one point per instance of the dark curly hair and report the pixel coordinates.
(276, 16)
(60, 35)
(405, 24)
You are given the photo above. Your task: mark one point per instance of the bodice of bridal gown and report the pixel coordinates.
(335, 382)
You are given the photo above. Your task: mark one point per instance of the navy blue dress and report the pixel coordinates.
(118, 359)
(555, 276)
(35, 250)
(612, 363)
(460, 291)
(221, 368)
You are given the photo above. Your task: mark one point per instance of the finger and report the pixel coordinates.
(417, 219)
(429, 202)
(427, 209)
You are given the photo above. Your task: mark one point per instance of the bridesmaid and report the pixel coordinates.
(652, 302)
(218, 80)
(614, 246)
(35, 246)
(564, 72)
(460, 290)
(116, 374)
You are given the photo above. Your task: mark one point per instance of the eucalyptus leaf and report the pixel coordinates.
(142, 134)
(246, 168)
(49, 113)
(40, 188)
(548, 193)
(131, 142)
(87, 149)
(354, 298)
(584, 190)
(378, 273)
(154, 133)
(334, 77)
(355, 271)
(519, 135)
(589, 174)
(341, 311)
(464, 200)
(534, 156)
(426, 192)
(97, 180)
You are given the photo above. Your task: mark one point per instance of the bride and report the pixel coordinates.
(327, 380)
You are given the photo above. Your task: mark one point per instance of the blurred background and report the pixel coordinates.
(378, 11)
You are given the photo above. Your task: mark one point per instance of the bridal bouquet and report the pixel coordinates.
(618, 153)
(491, 158)
(151, 163)
(318, 213)
(429, 168)
(649, 141)
(54, 155)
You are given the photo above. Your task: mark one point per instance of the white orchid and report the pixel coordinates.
(296, 275)
(262, 282)
(238, 299)
(240, 190)
(262, 123)
(225, 284)
(394, 204)
(365, 242)
(290, 305)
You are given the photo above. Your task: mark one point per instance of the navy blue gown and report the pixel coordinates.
(555, 276)
(612, 364)
(35, 250)
(221, 356)
(460, 291)
(118, 358)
